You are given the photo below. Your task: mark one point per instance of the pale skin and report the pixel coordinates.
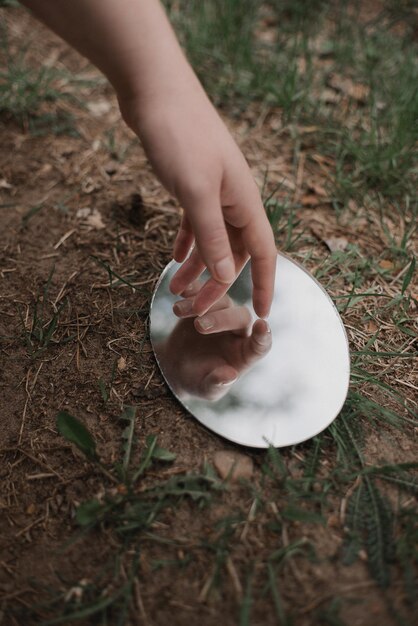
(188, 145)
(209, 365)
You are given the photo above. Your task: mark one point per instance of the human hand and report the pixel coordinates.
(197, 160)
(205, 361)
(187, 143)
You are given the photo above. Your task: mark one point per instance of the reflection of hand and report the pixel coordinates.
(206, 363)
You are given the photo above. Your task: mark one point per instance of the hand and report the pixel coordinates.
(191, 151)
(198, 161)
(207, 362)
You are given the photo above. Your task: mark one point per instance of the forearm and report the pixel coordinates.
(130, 41)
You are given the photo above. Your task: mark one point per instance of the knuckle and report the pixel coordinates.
(217, 235)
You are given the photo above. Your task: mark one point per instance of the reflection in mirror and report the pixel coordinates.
(255, 383)
(204, 357)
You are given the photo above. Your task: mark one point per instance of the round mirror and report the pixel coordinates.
(281, 387)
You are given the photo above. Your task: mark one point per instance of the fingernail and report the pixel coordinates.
(264, 339)
(228, 382)
(206, 322)
(188, 289)
(225, 270)
(183, 307)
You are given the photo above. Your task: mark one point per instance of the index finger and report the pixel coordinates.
(259, 241)
(245, 212)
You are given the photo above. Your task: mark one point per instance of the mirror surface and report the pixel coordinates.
(284, 394)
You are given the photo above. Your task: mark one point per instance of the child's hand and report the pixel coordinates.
(197, 160)
(193, 154)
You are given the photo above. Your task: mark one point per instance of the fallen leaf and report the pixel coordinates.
(99, 107)
(310, 199)
(83, 212)
(336, 244)
(88, 185)
(4, 184)
(91, 217)
(371, 327)
(45, 169)
(385, 264)
(268, 35)
(329, 96)
(333, 521)
(308, 129)
(317, 231)
(95, 220)
(121, 364)
(318, 189)
(345, 85)
(323, 160)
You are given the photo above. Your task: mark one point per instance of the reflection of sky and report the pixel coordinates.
(299, 387)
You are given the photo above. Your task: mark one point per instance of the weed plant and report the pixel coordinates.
(129, 510)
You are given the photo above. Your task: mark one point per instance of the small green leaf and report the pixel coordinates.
(74, 431)
(129, 413)
(209, 472)
(276, 462)
(128, 434)
(150, 453)
(409, 274)
(146, 458)
(162, 454)
(88, 512)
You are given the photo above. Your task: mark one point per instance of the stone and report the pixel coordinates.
(233, 465)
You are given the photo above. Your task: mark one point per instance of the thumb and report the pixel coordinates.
(258, 344)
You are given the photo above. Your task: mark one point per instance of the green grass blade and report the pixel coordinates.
(74, 431)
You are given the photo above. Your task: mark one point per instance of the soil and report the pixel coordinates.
(50, 254)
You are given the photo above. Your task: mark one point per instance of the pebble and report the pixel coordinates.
(233, 465)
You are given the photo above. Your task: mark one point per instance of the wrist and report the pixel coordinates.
(140, 102)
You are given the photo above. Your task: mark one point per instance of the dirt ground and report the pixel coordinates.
(68, 203)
